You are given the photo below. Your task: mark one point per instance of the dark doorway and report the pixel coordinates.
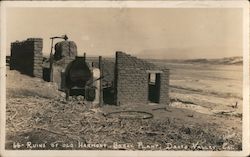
(46, 74)
(109, 95)
(154, 87)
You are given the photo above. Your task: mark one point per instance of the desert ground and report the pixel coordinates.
(205, 113)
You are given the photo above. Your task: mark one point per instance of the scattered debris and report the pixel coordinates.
(43, 115)
(234, 106)
(162, 108)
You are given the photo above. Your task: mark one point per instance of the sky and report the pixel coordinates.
(157, 33)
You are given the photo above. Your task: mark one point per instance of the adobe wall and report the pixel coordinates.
(131, 80)
(26, 56)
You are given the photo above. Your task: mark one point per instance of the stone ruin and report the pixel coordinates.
(138, 81)
(65, 49)
(26, 56)
(127, 79)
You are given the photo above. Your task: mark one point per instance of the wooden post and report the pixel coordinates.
(84, 56)
(51, 61)
(101, 74)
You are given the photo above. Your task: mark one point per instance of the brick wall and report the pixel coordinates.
(164, 87)
(26, 56)
(131, 80)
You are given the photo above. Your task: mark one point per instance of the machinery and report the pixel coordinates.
(72, 73)
(78, 79)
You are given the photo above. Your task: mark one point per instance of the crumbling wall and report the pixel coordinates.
(131, 80)
(65, 49)
(26, 56)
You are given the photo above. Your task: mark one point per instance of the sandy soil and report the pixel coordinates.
(201, 112)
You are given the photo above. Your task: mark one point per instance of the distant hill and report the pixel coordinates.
(222, 61)
(225, 61)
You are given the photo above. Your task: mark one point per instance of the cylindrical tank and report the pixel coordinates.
(77, 73)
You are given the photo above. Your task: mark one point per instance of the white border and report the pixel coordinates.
(128, 4)
(244, 5)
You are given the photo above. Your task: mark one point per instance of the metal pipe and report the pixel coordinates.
(51, 61)
(101, 74)
(84, 56)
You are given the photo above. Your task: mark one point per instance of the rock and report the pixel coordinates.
(80, 97)
(63, 95)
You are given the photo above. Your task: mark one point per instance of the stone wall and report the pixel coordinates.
(26, 56)
(131, 80)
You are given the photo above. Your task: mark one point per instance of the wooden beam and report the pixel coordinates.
(154, 71)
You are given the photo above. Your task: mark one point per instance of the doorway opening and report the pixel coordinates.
(154, 81)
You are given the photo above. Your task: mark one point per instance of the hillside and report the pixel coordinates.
(218, 61)
(224, 61)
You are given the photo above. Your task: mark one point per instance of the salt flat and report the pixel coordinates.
(216, 87)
